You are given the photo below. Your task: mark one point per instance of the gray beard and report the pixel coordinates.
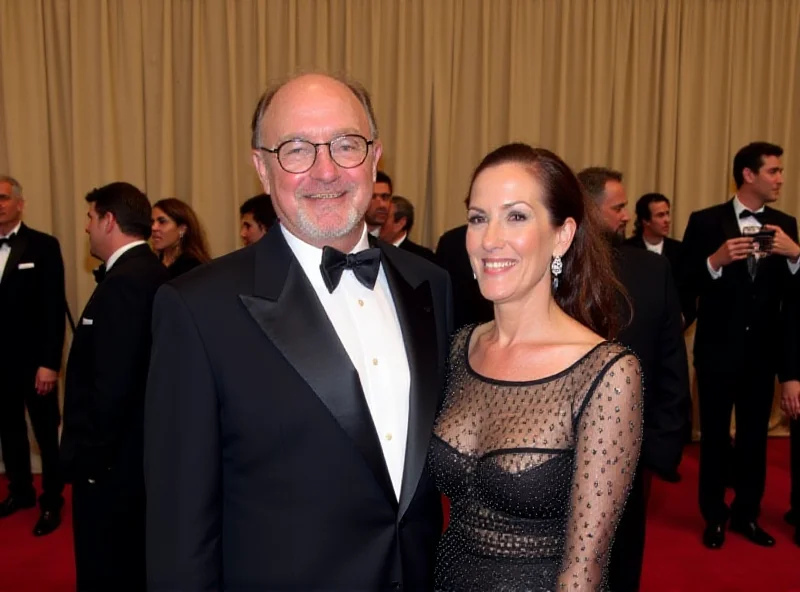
(310, 229)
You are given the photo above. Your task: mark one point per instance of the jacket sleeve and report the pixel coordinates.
(692, 271)
(53, 309)
(182, 455)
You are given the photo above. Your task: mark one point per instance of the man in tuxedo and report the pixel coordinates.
(397, 226)
(293, 387)
(651, 229)
(101, 447)
(736, 292)
(32, 294)
(655, 335)
(469, 305)
(378, 211)
(258, 216)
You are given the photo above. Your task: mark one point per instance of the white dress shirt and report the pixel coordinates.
(738, 208)
(657, 248)
(118, 253)
(5, 250)
(367, 325)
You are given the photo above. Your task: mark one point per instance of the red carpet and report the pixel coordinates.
(675, 559)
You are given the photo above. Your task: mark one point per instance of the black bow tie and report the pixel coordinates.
(99, 273)
(748, 214)
(365, 265)
(7, 240)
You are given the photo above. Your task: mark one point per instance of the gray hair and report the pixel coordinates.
(16, 188)
(403, 209)
(264, 102)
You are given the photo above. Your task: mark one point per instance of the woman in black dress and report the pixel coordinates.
(538, 436)
(178, 237)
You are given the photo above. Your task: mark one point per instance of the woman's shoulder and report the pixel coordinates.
(462, 338)
(609, 353)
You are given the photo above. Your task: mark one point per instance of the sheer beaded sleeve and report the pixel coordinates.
(608, 435)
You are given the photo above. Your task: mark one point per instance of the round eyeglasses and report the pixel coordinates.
(298, 156)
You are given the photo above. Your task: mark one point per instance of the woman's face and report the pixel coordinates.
(510, 238)
(165, 233)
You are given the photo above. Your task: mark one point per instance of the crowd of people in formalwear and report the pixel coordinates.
(288, 416)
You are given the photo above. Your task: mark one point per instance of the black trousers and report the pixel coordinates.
(45, 418)
(794, 450)
(627, 552)
(750, 392)
(108, 527)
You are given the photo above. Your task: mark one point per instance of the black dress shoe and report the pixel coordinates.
(753, 533)
(790, 518)
(11, 504)
(47, 523)
(714, 535)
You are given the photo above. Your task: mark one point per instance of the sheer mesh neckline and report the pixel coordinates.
(542, 380)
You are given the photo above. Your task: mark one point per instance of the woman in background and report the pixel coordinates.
(178, 237)
(539, 433)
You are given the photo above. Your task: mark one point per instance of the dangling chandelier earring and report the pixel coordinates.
(556, 267)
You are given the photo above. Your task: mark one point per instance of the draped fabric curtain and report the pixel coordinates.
(160, 93)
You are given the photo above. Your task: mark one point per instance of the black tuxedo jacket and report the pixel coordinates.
(107, 371)
(32, 296)
(469, 305)
(673, 251)
(412, 247)
(738, 318)
(655, 335)
(263, 468)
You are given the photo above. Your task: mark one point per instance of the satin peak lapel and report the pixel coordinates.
(414, 304)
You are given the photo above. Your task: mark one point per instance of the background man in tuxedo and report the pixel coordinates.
(378, 210)
(469, 305)
(655, 334)
(651, 229)
(258, 216)
(736, 298)
(101, 447)
(399, 224)
(32, 296)
(293, 388)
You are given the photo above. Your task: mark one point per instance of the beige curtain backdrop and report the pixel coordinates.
(160, 93)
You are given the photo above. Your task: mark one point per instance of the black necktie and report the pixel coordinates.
(748, 214)
(7, 240)
(365, 265)
(99, 273)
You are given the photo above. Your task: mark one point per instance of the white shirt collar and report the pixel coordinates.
(739, 207)
(400, 240)
(376, 232)
(118, 253)
(310, 257)
(14, 231)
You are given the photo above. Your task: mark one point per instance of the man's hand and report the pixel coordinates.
(734, 249)
(790, 398)
(45, 380)
(782, 244)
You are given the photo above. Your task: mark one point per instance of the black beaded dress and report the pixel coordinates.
(537, 472)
